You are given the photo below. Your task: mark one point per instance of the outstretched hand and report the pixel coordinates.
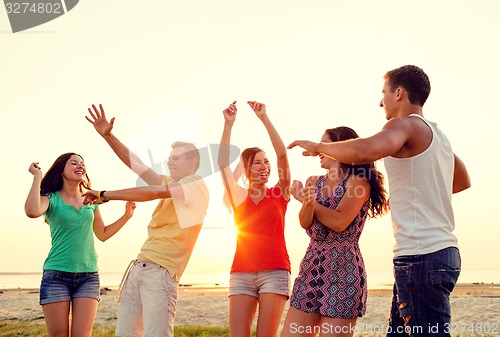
(91, 198)
(309, 147)
(98, 120)
(258, 108)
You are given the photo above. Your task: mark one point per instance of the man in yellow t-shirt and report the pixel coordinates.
(149, 290)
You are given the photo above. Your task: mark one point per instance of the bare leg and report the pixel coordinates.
(270, 311)
(300, 324)
(57, 318)
(83, 316)
(241, 314)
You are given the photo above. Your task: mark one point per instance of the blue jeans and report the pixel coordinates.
(422, 288)
(60, 286)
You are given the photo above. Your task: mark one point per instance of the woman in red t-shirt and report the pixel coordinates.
(260, 273)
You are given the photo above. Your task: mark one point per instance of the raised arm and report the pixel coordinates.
(103, 232)
(461, 179)
(235, 192)
(103, 127)
(35, 205)
(387, 142)
(278, 145)
(238, 170)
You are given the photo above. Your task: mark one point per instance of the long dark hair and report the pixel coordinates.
(52, 181)
(378, 194)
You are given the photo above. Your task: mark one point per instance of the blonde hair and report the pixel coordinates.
(191, 153)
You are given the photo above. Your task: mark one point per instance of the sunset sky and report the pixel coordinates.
(167, 69)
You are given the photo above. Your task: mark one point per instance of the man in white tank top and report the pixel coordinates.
(423, 172)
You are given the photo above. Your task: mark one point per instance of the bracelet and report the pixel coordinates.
(100, 196)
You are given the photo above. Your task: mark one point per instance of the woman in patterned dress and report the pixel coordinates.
(330, 291)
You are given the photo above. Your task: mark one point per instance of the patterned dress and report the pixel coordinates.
(332, 276)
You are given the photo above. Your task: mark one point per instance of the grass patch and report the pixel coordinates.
(37, 329)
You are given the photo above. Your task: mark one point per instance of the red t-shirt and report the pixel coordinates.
(260, 241)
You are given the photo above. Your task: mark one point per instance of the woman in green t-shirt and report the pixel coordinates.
(70, 281)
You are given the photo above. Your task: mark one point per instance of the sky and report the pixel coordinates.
(167, 69)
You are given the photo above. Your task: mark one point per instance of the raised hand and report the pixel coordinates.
(309, 147)
(296, 190)
(129, 208)
(98, 120)
(230, 113)
(34, 169)
(309, 193)
(258, 108)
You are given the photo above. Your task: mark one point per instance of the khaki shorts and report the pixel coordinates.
(147, 302)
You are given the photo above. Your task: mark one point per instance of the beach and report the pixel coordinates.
(475, 308)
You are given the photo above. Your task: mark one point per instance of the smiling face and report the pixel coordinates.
(74, 170)
(179, 164)
(259, 169)
(68, 168)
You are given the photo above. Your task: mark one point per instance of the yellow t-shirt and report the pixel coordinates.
(175, 226)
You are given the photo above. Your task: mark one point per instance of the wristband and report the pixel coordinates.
(100, 196)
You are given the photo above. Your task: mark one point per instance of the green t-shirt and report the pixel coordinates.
(72, 236)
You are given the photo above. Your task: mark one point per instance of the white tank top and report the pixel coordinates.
(420, 189)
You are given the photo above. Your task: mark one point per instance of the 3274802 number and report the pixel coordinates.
(33, 8)
(478, 327)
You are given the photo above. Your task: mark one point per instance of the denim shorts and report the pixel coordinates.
(275, 281)
(423, 284)
(60, 286)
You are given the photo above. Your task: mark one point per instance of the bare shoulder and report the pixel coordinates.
(415, 133)
(399, 123)
(398, 129)
(358, 187)
(356, 180)
(313, 180)
(421, 134)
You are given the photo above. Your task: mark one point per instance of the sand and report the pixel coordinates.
(474, 306)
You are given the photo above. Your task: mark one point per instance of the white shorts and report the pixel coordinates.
(147, 302)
